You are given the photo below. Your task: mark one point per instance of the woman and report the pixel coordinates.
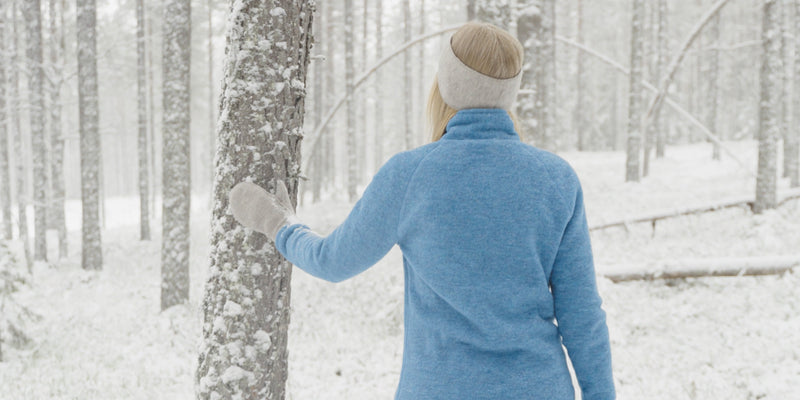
(496, 252)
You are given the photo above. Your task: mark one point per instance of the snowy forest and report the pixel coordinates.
(124, 124)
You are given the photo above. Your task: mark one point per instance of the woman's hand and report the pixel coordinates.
(260, 210)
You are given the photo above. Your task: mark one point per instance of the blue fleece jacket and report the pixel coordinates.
(497, 260)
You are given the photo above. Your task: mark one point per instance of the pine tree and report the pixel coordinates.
(92, 255)
(246, 303)
(635, 106)
(141, 95)
(769, 118)
(35, 58)
(176, 183)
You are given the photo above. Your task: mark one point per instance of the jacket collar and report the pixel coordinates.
(481, 123)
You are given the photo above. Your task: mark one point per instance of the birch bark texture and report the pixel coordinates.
(91, 246)
(243, 353)
(176, 183)
(141, 96)
(769, 115)
(529, 30)
(794, 136)
(5, 173)
(56, 217)
(32, 11)
(635, 105)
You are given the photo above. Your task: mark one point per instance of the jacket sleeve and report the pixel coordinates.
(368, 233)
(581, 320)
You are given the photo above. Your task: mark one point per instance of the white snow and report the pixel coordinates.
(102, 334)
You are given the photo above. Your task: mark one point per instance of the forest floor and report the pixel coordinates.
(102, 336)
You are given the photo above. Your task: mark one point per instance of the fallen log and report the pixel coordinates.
(740, 201)
(695, 268)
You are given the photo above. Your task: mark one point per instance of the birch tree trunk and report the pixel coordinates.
(547, 76)
(661, 67)
(56, 135)
(581, 109)
(378, 133)
(246, 303)
(420, 99)
(794, 135)
(712, 80)
(91, 251)
(22, 192)
(141, 94)
(632, 164)
(350, 146)
(769, 119)
(319, 95)
(786, 85)
(212, 104)
(176, 184)
(327, 140)
(5, 175)
(529, 29)
(409, 143)
(34, 60)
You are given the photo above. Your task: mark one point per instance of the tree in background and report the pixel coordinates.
(497, 12)
(22, 197)
(141, 96)
(662, 51)
(34, 57)
(632, 165)
(794, 136)
(92, 254)
(378, 134)
(56, 218)
(349, 67)
(5, 175)
(769, 116)
(581, 109)
(529, 29)
(409, 142)
(246, 303)
(176, 183)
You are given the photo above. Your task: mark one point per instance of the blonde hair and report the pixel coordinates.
(486, 49)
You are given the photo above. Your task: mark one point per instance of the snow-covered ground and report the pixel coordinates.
(102, 335)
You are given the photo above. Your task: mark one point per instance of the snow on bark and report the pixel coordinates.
(243, 353)
(92, 256)
(496, 12)
(34, 59)
(5, 175)
(528, 28)
(176, 184)
(141, 95)
(769, 118)
(56, 217)
(632, 164)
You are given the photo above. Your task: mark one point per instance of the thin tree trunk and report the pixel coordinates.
(632, 164)
(151, 112)
(141, 94)
(22, 189)
(319, 93)
(769, 108)
(176, 184)
(378, 133)
(470, 10)
(530, 102)
(92, 255)
(496, 12)
(35, 58)
(5, 175)
(786, 76)
(420, 99)
(56, 135)
(328, 141)
(579, 115)
(247, 298)
(712, 82)
(794, 135)
(661, 64)
(409, 142)
(352, 173)
(212, 105)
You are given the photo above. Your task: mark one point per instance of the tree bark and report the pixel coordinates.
(91, 252)
(661, 65)
(246, 303)
(35, 58)
(379, 133)
(56, 135)
(407, 109)
(632, 164)
(496, 12)
(769, 120)
(794, 135)
(581, 109)
(176, 170)
(5, 175)
(712, 80)
(141, 94)
(352, 162)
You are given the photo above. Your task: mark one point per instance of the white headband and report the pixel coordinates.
(463, 87)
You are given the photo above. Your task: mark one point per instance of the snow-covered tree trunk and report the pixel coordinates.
(581, 106)
(712, 80)
(151, 100)
(350, 146)
(769, 119)
(786, 75)
(176, 183)
(378, 133)
(794, 135)
(407, 108)
(496, 12)
(141, 95)
(212, 104)
(547, 76)
(316, 169)
(661, 66)
(632, 164)
(56, 216)
(91, 252)
(529, 29)
(14, 97)
(327, 140)
(246, 302)
(35, 58)
(5, 175)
